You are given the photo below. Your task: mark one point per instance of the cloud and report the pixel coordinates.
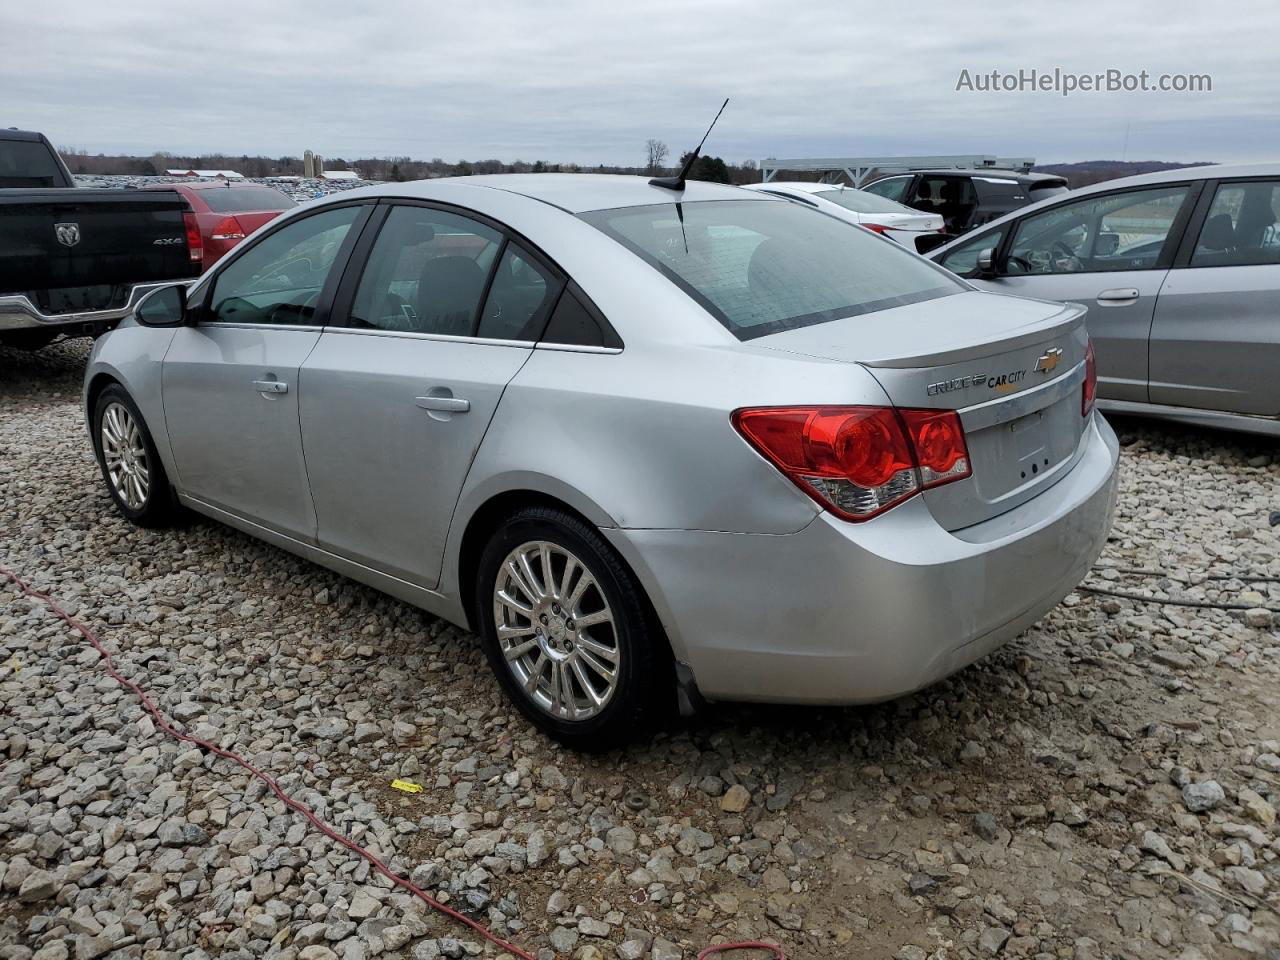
(589, 82)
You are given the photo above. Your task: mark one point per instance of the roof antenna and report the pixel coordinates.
(677, 182)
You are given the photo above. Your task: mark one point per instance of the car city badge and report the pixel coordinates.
(68, 234)
(1048, 360)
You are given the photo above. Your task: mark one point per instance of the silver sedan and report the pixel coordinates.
(653, 446)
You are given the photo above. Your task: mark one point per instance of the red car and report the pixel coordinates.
(225, 213)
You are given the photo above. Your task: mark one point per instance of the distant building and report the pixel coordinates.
(339, 175)
(308, 164)
(212, 174)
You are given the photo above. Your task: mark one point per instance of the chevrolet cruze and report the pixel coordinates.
(653, 445)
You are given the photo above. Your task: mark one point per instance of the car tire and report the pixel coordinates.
(131, 467)
(619, 633)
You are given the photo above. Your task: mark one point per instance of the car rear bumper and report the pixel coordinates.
(17, 312)
(855, 613)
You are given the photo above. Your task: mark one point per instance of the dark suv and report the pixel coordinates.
(967, 198)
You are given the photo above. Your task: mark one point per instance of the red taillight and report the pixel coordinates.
(228, 228)
(1090, 391)
(858, 462)
(875, 227)
(195, 242)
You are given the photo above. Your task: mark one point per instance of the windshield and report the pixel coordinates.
(859, 201)
(245, 200)
(763, 266)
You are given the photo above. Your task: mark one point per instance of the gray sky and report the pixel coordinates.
(588, 82)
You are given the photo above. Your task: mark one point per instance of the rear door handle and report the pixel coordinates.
(270, 386)
(444, 404)
(1118, 295)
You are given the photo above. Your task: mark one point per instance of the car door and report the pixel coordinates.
(1215, 342)
(401, 387)
(230, 382)
(1109, 252)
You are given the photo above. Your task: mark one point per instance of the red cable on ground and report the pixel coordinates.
(293, 804)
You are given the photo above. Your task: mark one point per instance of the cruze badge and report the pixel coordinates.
(1048, 360)
(999, 382)
(68, 234)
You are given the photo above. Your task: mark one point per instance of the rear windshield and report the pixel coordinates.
(240, 200)
(859, 201)
(763, 266)
(28, 163)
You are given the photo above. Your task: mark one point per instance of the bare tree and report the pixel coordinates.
(656, 154)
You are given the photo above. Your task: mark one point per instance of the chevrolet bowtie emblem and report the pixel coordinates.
(1048, 360)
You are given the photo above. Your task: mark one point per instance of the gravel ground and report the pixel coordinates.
(1103, 786)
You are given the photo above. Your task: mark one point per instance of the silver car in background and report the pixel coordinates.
(651, 445)
(1180, 271)
(916, 231)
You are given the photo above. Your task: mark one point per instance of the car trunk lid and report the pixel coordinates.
(1012, 368)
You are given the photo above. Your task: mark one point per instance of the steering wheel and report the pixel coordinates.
(1067, 256)
(295, 313)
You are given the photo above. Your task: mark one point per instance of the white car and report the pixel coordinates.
(916, 231)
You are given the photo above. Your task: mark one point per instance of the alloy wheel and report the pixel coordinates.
(125, 454)
(556, 631)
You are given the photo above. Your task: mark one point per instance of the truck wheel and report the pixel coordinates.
(27, 339)
(130, 465)
(568, 632)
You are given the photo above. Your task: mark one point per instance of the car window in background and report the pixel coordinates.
(520, 298)
(859, 201)
(763, 267)
(892, 188)
(28, 163)
(1242, 227)
(1043, 191)
(279, 280)
(240, 200)
(1120, 231)
(964, 258)
(426, 273)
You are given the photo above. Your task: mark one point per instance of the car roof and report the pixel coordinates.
(801, 186)
(1176, 175)
(14, 133)
(577, 192)
(981, 173)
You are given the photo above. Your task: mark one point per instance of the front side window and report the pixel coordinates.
(279, 280)
(426, 273)
(891, 188)
(1242, 227)
(520, 298)
(964, 258)
(1120, 231)
(763, 266)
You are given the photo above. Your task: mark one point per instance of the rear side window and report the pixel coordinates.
(239, 200)
(1242, 227)
(520, 298)
(575, 324)
(763, 266)
(426, 273)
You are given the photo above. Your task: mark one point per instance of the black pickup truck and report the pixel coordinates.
(75, 261)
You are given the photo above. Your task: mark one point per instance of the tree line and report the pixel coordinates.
(391, 168)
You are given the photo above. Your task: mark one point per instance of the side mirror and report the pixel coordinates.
(1108, 244)
(166, 307)
(986, 263)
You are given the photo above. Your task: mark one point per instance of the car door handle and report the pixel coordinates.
(1118, 295)
(270, 386)
(444, 404)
